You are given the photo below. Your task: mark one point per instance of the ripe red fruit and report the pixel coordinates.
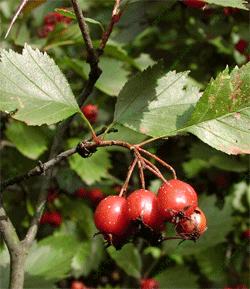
(45, 218)
(82, 193)
(77, 285)
(110, 216)
(246, 235)
(52, 194)
(96, 195)
(149, 284)
(241, 46)
(91, 112)
(55, 218)
(143, 205)
(195, 3)
(46, 30)
(240, 286)
(193, 226)
(51, 18)
(176, 197)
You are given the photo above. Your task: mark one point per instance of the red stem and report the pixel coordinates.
(159, 160)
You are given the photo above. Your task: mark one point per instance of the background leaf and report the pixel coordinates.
(90, 169)
(30, 141)
(34, 85)
(128, 258)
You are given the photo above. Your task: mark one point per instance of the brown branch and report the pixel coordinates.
(41, 168)
(93, 59)
(16, 250)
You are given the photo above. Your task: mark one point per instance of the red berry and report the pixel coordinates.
(78, 285)
(241, 286)
(50, 18)
(46, 30)
(149, 284)
(55, 218)
(241, 46)
(91, 112)
(52, 194)
(227, 11)
(246, 235)
(96, 195)
(227, 287)
(143, 205)
(235, 10)
(195, 3)
(117, 188)
(45, 218)
(82, 193)
(110, 216)
(193, 226)
(176, 197)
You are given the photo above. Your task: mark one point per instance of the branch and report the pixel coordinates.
(93, 58)
(115, 18)
(41, 168)
(16, 250)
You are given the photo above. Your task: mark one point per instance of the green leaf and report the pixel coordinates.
(155, 105)
(176, 277)
(91, 169)
(209, 156)
(51, 257)
(128, 259)
(235, 3)
(219, 222)
(66, 13)
(86, 262)
(239, 191)
(212, 263)
(221, 117)
(29, 141)
(109, 67)
(32, 83)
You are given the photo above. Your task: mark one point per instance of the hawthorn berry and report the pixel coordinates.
(176, 198)
(52, 194)
(246, 235)
(51, 18)
(143, 205)
(194, 226)
(46, 30)
(241, 46)
(91, 112)
(149, 284)
(240, 286)
(78, 285)
(195, 3)
(82, 193)
(45, 218)
(95, 195)
(55, 218)
(110, 216)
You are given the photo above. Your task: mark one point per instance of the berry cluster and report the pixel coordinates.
(143, 214)
(95, 195)
(50, 21)
(53, 218)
